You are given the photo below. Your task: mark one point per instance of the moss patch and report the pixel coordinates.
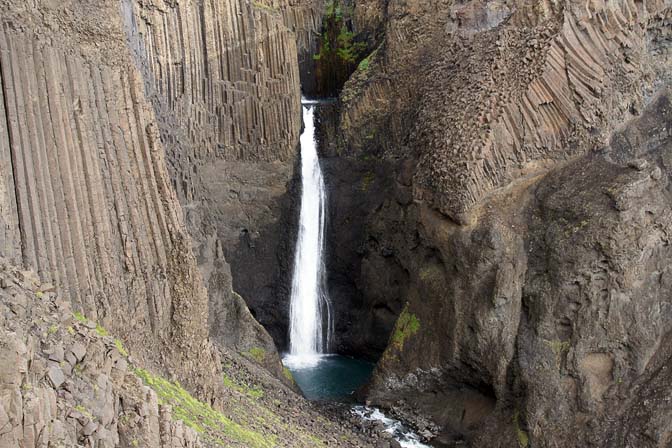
(265, 7)
(201, 417)
(85, 412)
(120, 347)
(257, 353)
(102, 332)
(407, 325)
(364, 64)
(255, 392)
(288, 374)
(80, 317)
(558, 347)
(367, 180)
(523, 437)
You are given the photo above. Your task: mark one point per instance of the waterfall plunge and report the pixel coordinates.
(310, 315)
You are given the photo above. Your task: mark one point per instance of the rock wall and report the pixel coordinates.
(478, 137)
(87, 201)
(225, 89)
(552, 310)
(500, 90)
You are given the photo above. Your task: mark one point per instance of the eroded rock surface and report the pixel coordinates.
(66, 381)
(512, 218)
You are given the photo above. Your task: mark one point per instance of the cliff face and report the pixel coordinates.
(86, 197)
(88, 203)
(224, 82)
(513, 158)
(65, 381)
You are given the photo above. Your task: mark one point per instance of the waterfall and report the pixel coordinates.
(310, 325)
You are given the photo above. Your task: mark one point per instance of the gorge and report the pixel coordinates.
(476, 230)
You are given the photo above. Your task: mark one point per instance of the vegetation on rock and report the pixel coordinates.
(339, 53)
(200, 416)
(407, 325)
(523, 437)
(257, 353)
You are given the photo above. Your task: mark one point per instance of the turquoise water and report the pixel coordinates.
(329, 377)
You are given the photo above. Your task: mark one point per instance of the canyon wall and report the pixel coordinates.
(88, 203)
(507, 173)
(225, 90)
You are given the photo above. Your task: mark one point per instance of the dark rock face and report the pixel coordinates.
(552, 310)
(228, 107)
(521, 214)
(260, 220)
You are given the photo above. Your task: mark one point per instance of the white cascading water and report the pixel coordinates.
(310, 315)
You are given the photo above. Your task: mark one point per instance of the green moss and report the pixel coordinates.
(80, 317)
(407, 325)
(363, 64)
(101, 331)
(265, 7)
(257, 353)
(120, 347)
(255, 392)
(431, 273)
(71, 330)
(523, 437)
(558, 347)
(85, 412)
(287, 374)
(201, 417)
(52, 329)
(367, 180)
(315, 440)
(39, 294)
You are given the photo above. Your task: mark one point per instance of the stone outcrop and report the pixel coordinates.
(552, 310)
(64, 382)
(495, 91)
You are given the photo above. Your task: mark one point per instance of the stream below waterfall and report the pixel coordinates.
(322, 375)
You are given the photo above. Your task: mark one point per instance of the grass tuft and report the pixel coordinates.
(523, 437)
(407, 325)
(257, 353)
(101, 331)
(120, 347)
(201, 417)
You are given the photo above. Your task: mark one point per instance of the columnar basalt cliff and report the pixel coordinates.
(225, 88)
(497, 152)
(87, 201)
(107, 343)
